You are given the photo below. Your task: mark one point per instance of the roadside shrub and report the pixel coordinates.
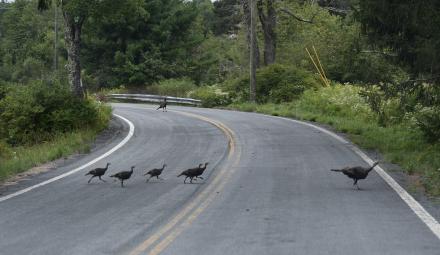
(428, 120)
(286, 92)
(34, 113)
(275, 83)
(382, 101)
(284, 83)
(211, 96)
(340, 100)
(172, 87)
(5, 151)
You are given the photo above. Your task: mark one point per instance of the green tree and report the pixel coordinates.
(409, 28)
(227, 16)
(75, 13)
(26, 39)
(206, 15)
(411, 31)
(132, 49)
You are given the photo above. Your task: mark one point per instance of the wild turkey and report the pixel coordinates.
(200, 171)
(356, 173)
(163, 105)
(155, 172)
(124, 175)
(97, 172)
(191, 173)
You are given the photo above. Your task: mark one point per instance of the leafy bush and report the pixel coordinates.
(428, 120)
(211, 96)
(339, 100)
(416, 108)
(383, 103)
(5, 151)
(275, 83)
(34, 113)
(173, 87)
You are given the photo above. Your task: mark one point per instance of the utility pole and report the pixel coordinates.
(253, 61)
(55, 55)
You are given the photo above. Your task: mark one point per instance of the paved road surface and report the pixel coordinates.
(266, 191)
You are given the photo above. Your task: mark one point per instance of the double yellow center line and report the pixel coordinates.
(157, 242)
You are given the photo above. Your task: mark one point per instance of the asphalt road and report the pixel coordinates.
(267, 190)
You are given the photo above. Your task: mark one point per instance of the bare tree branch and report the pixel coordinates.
(287, 11)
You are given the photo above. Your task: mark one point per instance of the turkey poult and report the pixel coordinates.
(155, 172)
(356, 173)
(97, 172)
(163, 105)
(124, 175)
(191, 173)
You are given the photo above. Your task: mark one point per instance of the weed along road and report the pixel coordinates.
(267, 189)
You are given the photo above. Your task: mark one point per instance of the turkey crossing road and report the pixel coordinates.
(267, 190)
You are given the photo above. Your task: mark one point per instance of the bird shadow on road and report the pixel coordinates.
(194, 183)
(154, 182)
(96, 183)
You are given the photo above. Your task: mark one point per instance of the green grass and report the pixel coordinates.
(24, 158)
(14, 160)
(343, 109)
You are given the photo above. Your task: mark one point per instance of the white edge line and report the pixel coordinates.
(415, 206)
(118, 146)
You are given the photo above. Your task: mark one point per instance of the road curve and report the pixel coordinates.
(268, 190)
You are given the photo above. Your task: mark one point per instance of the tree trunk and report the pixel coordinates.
(247, 17)
(253, 59)
(72, 37)
(268, 22)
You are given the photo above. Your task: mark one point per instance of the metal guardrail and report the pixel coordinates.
(156, 98)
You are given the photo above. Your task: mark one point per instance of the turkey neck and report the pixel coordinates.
(374, 165)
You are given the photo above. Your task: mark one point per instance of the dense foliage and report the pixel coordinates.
(27, 44)
(411, 31)
(36, 112)
(226, 16)
(409, 28)
(137, 47)
(275, 83)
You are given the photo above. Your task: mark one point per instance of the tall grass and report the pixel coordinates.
(24, 157)
(342, 108)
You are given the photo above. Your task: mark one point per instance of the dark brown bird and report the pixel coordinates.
(155, 172)
(191, 173)
(124, 175)
(97, 172)
(163, 105)
(356, 173)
